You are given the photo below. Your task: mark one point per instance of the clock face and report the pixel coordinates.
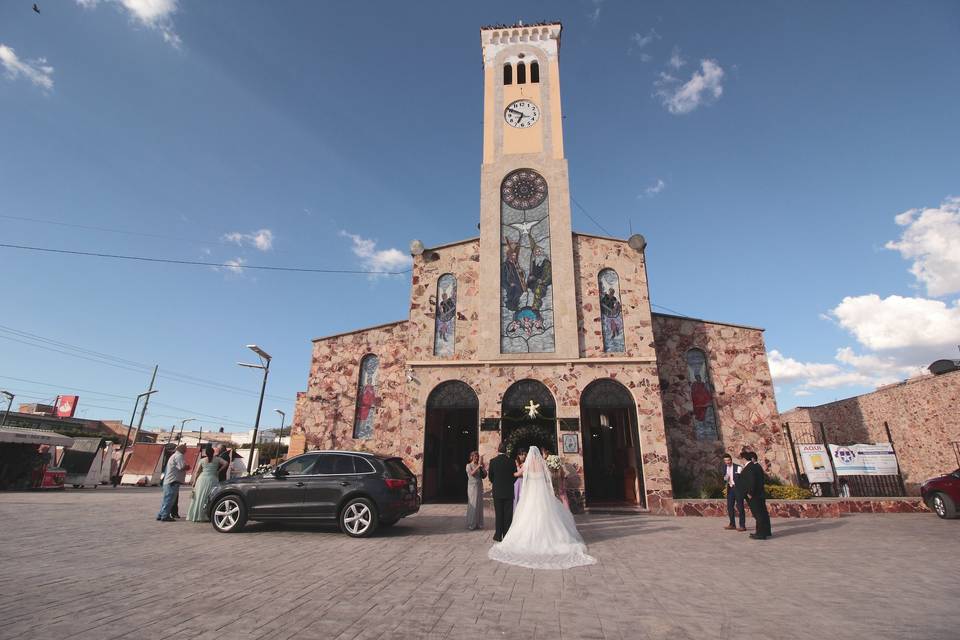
(521, 114)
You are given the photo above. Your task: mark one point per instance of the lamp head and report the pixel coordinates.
(260, 352)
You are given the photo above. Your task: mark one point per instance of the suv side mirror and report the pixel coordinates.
(280, 472)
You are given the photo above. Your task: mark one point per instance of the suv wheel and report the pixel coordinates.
(943, 506)
(358, 519)
(229, 514)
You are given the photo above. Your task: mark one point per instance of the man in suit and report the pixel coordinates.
(500, 471)
(731, 474)
(223, 454)
(750, 486)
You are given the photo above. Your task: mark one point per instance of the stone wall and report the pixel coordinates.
(463, 261)
(743, 394)
(819, 508)
(325, 413)
(922, 416)
(591, 255)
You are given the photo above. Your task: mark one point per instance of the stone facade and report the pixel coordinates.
(821, 508)
(922, 416)
(617, 443)
(743, 396)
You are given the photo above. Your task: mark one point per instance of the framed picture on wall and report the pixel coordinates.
(571, 443)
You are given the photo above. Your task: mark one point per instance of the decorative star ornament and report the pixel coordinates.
(532, 409)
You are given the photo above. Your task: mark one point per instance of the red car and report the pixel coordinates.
(942, 494)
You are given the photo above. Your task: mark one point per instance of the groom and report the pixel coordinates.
(501, 472)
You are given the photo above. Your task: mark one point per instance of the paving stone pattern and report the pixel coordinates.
(95, 564)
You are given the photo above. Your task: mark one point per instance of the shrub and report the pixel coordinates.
(774, 480)
(787, 492)
(683, 486)
(713, 485)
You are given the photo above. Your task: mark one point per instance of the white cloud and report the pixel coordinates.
(676, 61)
(36, 71)
(931, 239)
(639, 41)
(849, 370)
(383, 261)
(704, 86)
(594, 14)
(235, 265)
(655, 188)
(261, 240)
(155, 14)
(896, 322)
(787, 370)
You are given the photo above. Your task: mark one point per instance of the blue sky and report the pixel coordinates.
(792, 166)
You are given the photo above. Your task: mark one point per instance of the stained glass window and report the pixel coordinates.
(368, 399)
(446, 316)
(701, 395)
(611, 312)
(526, 269)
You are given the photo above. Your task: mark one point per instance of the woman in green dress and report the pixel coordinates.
(205, 480)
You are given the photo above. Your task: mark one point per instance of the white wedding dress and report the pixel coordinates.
(543, 534)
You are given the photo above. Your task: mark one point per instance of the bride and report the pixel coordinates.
(542, 534)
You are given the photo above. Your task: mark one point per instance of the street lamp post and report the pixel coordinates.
(183, 422)
(283, 417)
(9, 396)
(126, 440)
(265, 366)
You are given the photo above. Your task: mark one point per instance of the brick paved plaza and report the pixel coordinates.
(95, 564)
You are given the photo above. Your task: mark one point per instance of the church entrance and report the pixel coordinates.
(450, 434)
(529, 418)
(612, 466)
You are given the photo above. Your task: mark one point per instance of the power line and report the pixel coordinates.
(200, 263)
(31, 393)
(602, 228)
(123, 363)
(88, 227)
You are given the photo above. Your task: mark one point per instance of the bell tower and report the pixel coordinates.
(526, 273)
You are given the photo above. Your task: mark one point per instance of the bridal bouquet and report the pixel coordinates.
(554, 463)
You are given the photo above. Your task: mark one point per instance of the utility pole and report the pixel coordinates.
(9, 396)
(146, 401)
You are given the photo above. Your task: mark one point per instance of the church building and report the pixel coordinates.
(540, 335)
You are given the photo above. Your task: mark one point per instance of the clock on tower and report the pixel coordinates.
(526, 250)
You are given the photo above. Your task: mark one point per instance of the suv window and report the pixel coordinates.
(334, 463)
(363, 465)
(299, 465)
(396, 469)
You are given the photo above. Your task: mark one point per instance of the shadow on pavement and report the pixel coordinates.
(783, 529)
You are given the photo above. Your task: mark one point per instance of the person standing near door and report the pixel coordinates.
(476, 472)
(501, 472)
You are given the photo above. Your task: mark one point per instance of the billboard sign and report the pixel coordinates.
(864, 459)
(816, 464)
(66, 406)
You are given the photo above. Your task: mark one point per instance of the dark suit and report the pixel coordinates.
(500, 471)
(222, 473)
(733, 499)
(750, 486)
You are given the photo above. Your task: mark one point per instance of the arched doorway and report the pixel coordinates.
(529, 417)
(612, 464)
(450, 434)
